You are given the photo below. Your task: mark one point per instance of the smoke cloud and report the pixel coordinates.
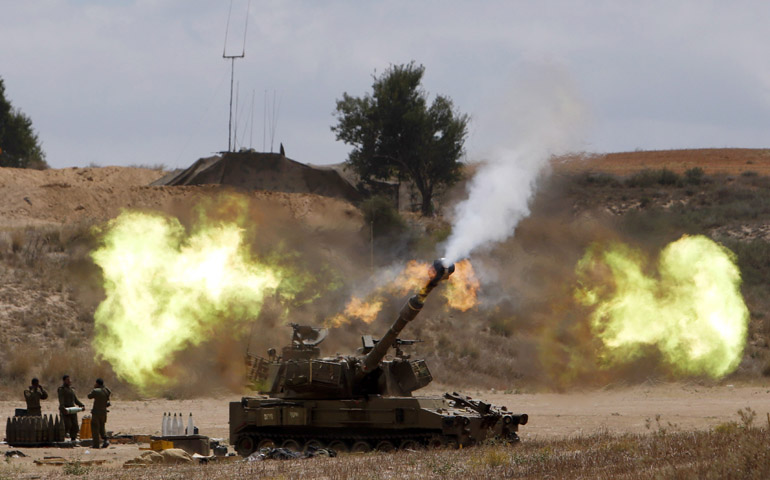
(543, 116)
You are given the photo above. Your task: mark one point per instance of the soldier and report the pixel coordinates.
(33, 395)
(101, 396)
(68, 398)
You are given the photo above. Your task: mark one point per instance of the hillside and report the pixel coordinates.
(519, 335)
(713, 161)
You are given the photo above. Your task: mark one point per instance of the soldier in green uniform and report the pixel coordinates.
(68, 398)
(33, 395)
(101, 396)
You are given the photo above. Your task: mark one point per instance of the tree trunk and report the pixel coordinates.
(427, 203)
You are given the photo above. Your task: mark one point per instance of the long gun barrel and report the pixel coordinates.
(439, 271)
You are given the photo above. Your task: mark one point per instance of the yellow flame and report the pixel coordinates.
(462, 291)
(692, 311)
(357, 308)
(166, 289)
(414, 276)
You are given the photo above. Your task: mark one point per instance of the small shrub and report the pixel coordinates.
(598, 179)
(76, 468)
(641, 179)
(668, 177)
(470, 351)
(649, 178)
(502, 325)
(747, 416)
(160, 167)
(495, 457)
(382, 216)
(440, 466)
(727, 428)
(749, 173)
(694, 176)
(17, 241)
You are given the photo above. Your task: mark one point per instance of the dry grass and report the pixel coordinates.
(28, 360)
(738, 450)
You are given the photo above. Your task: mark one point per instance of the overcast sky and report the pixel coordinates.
(131, 82)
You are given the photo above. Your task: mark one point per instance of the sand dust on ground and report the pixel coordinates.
(679, 407)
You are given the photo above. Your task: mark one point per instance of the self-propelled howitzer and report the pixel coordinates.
(359, 402)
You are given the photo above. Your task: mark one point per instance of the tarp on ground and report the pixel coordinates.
(263, 171)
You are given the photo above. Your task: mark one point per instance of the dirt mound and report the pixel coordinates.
(40, 197)
(91, 195)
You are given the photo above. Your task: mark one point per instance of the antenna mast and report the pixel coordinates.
(232, 59)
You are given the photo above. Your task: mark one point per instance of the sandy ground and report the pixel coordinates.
(680, 407)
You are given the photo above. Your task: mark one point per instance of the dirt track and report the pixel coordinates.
(681, 407)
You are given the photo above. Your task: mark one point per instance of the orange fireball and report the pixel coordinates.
(462, 291)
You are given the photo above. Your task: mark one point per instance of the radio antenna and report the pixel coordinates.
(232, 59)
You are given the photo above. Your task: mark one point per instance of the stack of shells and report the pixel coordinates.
(29, 431)
(174, 426)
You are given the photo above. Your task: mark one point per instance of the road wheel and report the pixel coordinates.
(312, 444)
(265, 443)
(291, 444)
(385, 446)
(361, 447)
(338, 446)
(436, 441)
(410, 444)
(244, 445)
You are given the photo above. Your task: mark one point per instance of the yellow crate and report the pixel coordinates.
(159, 445)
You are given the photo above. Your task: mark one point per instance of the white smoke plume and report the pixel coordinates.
(542, 116)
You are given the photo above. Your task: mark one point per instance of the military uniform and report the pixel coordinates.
(101, 396)
(68, 398)
(33, 397)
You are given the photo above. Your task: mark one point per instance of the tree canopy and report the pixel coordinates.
(19, 145)
(395, 134)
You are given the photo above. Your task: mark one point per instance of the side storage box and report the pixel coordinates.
(269, 417)
(294, 416)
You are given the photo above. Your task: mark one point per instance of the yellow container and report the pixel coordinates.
(159, 445)
(85, 427)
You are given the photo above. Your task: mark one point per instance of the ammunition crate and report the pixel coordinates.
(159, 445)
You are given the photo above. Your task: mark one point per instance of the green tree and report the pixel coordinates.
(396, 135)
(19, 146)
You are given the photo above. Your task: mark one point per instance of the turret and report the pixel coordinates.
(439, 271)
(299, 372)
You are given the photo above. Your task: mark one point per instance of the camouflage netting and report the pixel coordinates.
(263, 171)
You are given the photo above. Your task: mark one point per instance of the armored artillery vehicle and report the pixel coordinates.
(360, 402)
